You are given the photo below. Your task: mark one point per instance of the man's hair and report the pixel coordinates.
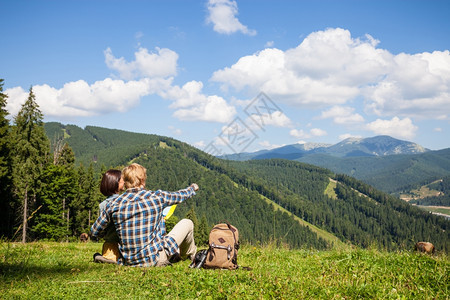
(110, 182)
(134, 175)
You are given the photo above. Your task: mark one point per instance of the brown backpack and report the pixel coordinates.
(223, 247)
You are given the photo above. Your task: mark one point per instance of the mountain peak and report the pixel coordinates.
(380, 145)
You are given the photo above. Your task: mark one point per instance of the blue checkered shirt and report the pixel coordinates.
(137, 216)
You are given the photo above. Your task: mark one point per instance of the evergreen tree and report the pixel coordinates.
(60, 190)
(202, 232)
(53, 219)
(192, 216)
(85, 207)
(5, 169)
(30, 156)
(201, 229)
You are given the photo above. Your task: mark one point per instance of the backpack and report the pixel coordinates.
(223, 247)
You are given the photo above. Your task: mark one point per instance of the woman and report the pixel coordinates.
(111, 186)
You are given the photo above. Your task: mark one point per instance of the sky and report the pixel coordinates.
(234, 76)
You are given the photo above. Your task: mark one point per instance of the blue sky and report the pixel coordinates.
(232, 76)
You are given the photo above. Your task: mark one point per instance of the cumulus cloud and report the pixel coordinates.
(330, 68)
(191, 104)
(396, 127)
(417, 86)
(276, 119)
(313, 132)
(222, 14)
(343, 115)
(80, 99)
(161, 64)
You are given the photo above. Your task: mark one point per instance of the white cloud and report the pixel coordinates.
(396, 127)
(342, 115)
(79, 99)
(176, 131)
(138, 35)
(269, 44)
(199, 145)
(222, 14)
(437, 129)
(317, 132)
(277, 119)
(267, 145)
(301, 134)
(151, 65)
(331, 68)
(348, 135)
(191, 105)
(418, 86)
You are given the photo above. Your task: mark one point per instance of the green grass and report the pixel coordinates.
(329, 191)
(65, 270)
(441, 210)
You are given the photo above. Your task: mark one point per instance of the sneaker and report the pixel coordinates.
(175, 258)
(98, 258)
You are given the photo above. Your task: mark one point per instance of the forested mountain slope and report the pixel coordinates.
(171, 165)
(358, 212)
(232, 191)
(391, 174)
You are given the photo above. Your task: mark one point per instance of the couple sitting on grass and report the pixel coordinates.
(133, 225)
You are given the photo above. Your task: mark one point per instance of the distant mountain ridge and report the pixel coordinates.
(391, 165)
(381, 145)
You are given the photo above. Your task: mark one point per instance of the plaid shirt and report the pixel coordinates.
(137, 216)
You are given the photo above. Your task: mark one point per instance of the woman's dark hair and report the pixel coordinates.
(110, 182)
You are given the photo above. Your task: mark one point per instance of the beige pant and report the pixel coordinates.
(183, 234)
(111, 251)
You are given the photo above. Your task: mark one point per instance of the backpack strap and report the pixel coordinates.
(236, 243)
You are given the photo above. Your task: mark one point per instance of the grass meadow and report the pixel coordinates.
(66, 271)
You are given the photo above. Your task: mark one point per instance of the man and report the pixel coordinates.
(137, 216)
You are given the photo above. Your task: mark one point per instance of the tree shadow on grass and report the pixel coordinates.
(10, 272)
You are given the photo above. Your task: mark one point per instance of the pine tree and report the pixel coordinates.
(192, 216)
(60, 190)
(30, 157)
(53, 219)
(202, 231)
(5, 169)
(85, 207)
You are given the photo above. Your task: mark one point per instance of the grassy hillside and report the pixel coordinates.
(64, 270)
(281, 201)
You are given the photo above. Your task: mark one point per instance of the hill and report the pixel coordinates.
(283, 201)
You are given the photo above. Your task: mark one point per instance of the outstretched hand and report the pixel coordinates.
(195, 186)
